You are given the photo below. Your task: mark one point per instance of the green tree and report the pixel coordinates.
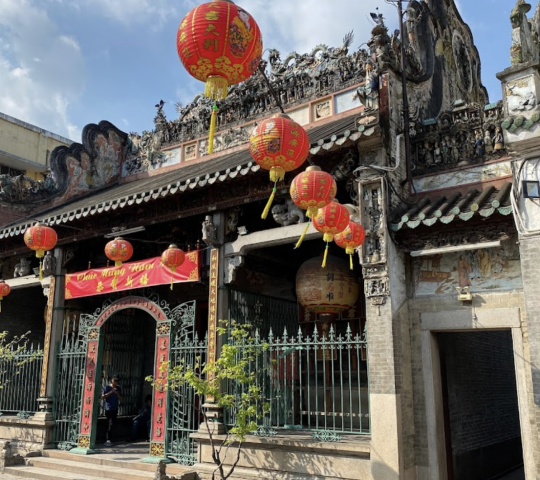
(235, 366)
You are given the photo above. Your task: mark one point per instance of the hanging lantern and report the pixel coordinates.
(330, 221)
(173, 257)
(329, 291)
(40, 238)
(311, 190)
(350, 239)
(280, 145)
(119, 250)
(220, 44)
(4, 291)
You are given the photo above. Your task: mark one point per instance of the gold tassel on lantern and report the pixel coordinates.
(216, 87)
(311, 212)
(266, 210)
(277, 174)
(40, 254)
(212, 132)
(325, 256)
(350, 251)
(301, 239)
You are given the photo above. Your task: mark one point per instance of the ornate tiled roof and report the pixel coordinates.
(455, 206)
(186, 178)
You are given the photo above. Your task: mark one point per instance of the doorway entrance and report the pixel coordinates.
(480, 404)
(128, 354)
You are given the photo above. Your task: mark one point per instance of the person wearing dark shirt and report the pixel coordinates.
(143, 420)
(112, 394)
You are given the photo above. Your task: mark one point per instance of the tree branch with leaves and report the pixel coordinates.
(230, 383)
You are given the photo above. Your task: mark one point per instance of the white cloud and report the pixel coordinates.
(301, 25)
(130, 12)
(42, 71)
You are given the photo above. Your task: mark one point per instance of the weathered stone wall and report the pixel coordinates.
(530, 253)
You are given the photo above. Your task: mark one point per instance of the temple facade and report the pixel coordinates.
(429, 373)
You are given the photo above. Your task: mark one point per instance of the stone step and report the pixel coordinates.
(79, 466)
(47, 474)
(113, 459)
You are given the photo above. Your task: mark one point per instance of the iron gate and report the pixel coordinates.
(69, 374)
(184, 403)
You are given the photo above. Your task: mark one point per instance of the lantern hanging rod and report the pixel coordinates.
(272, 91)
(124, 231)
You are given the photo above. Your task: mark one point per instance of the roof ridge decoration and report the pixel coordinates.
(298, 79)
(75, 170)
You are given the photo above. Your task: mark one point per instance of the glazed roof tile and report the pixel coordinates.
(188, 177)
(455, 205)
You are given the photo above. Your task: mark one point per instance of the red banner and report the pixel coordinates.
(129, 276)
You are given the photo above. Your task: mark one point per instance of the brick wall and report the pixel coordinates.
(22, 311)
(481, 387)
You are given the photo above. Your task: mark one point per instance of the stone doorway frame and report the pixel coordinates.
(159, 310)
(462, 321)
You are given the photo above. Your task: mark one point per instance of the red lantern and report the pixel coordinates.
(119, 250)
(173, 257)
(351, 238)
(219, 43)
(311, 190)
(280, 145)
(4, 291)
(330, 221)
(40, 238)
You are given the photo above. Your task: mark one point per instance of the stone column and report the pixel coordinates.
(386, 313)
(217, 310)
(53, 334)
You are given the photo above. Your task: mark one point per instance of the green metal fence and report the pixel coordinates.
(68, 387)
(20, 379)
(313, 382)
(184, 404)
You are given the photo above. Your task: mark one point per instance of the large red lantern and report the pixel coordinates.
(4, 291)
(280, 145)
(350, 239)
(330, 221)
(172, 258)
(118, 251)
(40, 238)
(219, 43)
(311, 190)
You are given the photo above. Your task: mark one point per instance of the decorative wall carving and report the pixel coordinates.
(287, 213)
(231, 265)
(373, 219)
(465, 135)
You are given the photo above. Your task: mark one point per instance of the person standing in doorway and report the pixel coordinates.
(112, 394)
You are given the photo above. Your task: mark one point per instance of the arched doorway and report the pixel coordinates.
(128, 354)
(170, 323)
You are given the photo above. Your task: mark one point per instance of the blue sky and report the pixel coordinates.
(67, 63)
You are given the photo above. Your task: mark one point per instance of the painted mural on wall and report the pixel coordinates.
(484, 270)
